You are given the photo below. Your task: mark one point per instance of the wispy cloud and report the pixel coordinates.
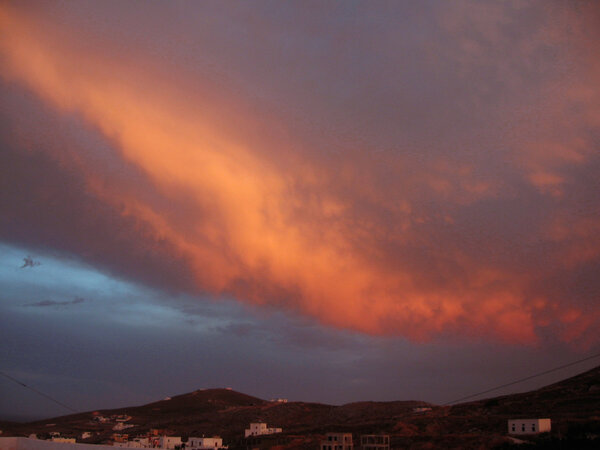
(44, 303)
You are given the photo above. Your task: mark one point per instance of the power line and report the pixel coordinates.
(522, 379)
(38, 392)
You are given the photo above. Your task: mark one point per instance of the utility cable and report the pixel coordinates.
(522, 379)
(38, 392)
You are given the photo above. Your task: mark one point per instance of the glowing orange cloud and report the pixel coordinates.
(266, 232)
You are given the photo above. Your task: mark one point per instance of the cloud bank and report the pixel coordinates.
(421, 171)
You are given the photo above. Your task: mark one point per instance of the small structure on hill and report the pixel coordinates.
(337, 441)
(529, 426)
(421, 409)
(260, 429)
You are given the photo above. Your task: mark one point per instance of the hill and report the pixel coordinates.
(572, 404)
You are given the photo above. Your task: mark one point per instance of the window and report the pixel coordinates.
(533, 427)
(523, 427)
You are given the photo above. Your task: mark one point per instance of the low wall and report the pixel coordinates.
(23, 443)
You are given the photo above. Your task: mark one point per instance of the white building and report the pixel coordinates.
(203, 443)
(259, 429)
(169, 442)
(528, 426)
(337, 441)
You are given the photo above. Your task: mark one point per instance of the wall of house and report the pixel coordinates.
(528, 426)
(23, 443)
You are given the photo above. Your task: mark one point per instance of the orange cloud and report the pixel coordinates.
(268, 232)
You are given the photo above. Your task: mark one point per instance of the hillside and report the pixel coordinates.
(572, 404)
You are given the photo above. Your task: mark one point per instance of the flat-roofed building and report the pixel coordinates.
(337, 441)
(529, 426)
(204, 443)
(260, 429)
(375, 442)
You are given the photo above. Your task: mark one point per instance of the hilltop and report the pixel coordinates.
(572, 404)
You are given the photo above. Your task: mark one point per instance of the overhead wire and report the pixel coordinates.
(38, 392)
(520, 380)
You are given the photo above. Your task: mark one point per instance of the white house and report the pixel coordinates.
(169, 441)
(259, 429)
(528, 426)
(203, 443)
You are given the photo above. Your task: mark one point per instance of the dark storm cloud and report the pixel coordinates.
(395, 168)
(46, 206)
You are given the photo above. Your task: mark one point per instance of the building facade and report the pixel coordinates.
(260, 429)
(375, 442)
(529, 426)
(337, 441)
(203, 443)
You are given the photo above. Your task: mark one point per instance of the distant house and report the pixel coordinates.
(260, 429)
(169, 442)
(100, 419)
(203, 443)
(138, 442)
(375, 442)
(122, 418)
(122, 426)
(279, 400)
(421, 409)
(337, 441)
(528, 426)
(118, 437)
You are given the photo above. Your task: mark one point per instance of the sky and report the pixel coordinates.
(322, 201)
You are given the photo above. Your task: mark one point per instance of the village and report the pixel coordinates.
(257, 436)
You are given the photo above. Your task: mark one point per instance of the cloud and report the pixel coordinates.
(44, 303)
(252, 166)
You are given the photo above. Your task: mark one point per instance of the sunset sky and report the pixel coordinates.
(320, 200)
